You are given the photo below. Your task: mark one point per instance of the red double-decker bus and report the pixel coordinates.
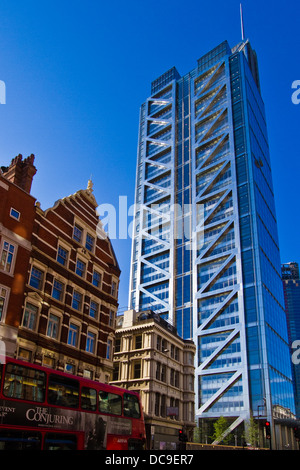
(44, 409)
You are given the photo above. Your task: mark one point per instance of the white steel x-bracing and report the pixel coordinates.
(157, 197)
(218, 327)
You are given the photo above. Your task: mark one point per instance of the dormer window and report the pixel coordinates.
(77, 233)
(84, 235)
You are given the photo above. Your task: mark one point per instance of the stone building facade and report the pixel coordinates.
(153, 360)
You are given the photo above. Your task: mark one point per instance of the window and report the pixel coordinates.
(163, 406)
(118, 345)
(163, 376)
(63, 391)
(157, 404)
(48, 362)
(164, 346)
(96, 279)
(62, 256)
(58, 290)
(131, 406)
(77, 300)
(77, 233)
(88, 399)
(190, 358)
(88, 374)
(111, 318)
(73, 335)
(137, 370)
(25, 354)
(20, 440)
(14, 214)
(158, 371)
(53, 326)
(3, 298)
(90, 342)
(172, 372)
(94, 309)
(89, 242)
(36, 278)
(30, 316)
(70, 368)
(58, 441)
(138, 342)
(116, 371)
(191, 383)
(109, 349)
(110, 403)
(80, 268)
(113, 289)
(24, 383)
(7, 255)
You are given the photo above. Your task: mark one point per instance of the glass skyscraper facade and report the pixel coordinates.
(291, 289)
(205, 251)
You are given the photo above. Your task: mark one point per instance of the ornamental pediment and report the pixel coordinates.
(84, 252)
(34, 296)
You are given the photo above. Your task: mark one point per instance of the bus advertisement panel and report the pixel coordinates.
(92, 415)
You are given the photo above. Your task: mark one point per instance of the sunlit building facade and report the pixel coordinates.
(205, 251)
(59, 278)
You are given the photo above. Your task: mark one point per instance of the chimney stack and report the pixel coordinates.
(21, 172)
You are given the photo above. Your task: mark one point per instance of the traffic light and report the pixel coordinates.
(182, 436)
(297, 433)
(268, 430)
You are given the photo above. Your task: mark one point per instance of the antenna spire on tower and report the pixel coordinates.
(242, 22)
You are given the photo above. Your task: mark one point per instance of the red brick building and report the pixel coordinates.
(70, 299)
(17, 212)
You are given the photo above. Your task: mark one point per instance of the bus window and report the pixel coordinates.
(63, 391)
(88, 399)
(131, 406)
(24, 383)
(110, 403)
(60, 441)
(136, 444)
(20, 440)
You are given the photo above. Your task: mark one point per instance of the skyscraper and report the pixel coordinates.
(205, 249)
(291, 288)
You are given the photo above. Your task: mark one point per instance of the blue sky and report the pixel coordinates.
(77, 72)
